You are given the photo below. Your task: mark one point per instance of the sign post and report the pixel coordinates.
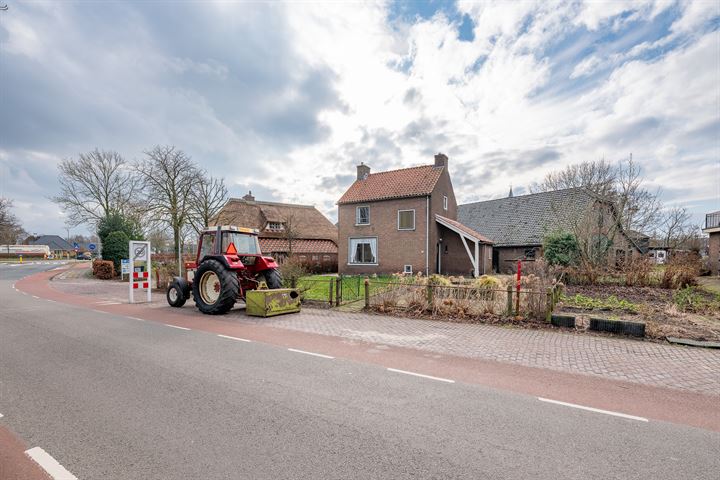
(140, 269)
(124, 267)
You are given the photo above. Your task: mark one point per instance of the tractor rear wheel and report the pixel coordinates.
(215, 288)
(271, 278)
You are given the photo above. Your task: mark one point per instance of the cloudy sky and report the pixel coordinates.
(285, 99)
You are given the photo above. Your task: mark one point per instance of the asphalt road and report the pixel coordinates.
(110, 397)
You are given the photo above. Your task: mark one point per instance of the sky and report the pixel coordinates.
(285, 99)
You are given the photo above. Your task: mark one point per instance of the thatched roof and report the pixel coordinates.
(306, 220)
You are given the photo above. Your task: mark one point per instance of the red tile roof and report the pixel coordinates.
(469, 231)
(273, 245)
(406, 182)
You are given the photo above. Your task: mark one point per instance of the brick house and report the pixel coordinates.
(712, 228)
(284, 227)
(518, 224)
(406, 221)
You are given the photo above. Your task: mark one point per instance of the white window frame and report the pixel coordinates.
(445, 202)
(357, 215)
(407, 269)
(350, 251)
(413, 221)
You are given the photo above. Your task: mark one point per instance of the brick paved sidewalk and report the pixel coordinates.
(671, 366)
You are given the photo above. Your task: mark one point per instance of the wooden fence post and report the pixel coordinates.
(509, 300)
(293, 282)
(330, 293)
(549, 306)
(367, 292)
(429, 294)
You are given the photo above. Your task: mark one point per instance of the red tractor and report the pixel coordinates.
(228, 264)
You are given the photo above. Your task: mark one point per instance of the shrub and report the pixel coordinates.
(439, 280)
(561, 248)
(116, 222)
(486, 282)
(681, 271)
(291, 270)
(115, 248)
(103, 269)
(637, 271)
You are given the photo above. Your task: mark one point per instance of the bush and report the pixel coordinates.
(291, 270)
(103, 269)
(561, 248)
(638, 271)
(438, 280)
(486, 282)
(681, 271)
(115, 248)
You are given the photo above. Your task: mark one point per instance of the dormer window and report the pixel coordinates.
(275, 226)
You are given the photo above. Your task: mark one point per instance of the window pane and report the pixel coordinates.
(363, 215)
(406, 220)
(363, 250)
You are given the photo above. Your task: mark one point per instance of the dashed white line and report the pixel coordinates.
(107, 302)
(311, 353)
(596, 410)
(175, 326)
(49, 464)
(138, 319)
(99, 311)
(415, 374)
(1, 415)
(235, 338)
(35, 296)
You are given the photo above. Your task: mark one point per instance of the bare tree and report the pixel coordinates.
(675, 228)
(168, 176)
(94, 185)
(620, 204)
(208, 197)
(290, 232)
(10, 228)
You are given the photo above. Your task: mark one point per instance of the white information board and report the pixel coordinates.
(124, 266)
(140, 269)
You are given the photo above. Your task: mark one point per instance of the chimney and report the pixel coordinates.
(362, 171)
(249, 197)
(441, 160)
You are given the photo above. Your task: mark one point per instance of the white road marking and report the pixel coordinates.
(99, 311)
(175, 326)
(108, 302)
(311, 353)
(53, 301)
(596, 410)
(1, 415)
(440, 379)
(49, 464)
(235, 338)
(35, 296)
(138, 319)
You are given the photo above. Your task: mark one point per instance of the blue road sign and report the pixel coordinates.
(91, 246)
(75, 245)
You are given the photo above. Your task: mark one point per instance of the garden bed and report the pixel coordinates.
(660, 309)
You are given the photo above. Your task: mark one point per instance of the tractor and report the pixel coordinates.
(228, 264)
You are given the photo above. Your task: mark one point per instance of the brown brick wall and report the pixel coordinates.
(455, 260)
(396, 248)
(714, 253)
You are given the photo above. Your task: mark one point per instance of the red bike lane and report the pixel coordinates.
(617, 396)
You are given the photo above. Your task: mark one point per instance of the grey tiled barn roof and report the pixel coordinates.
(525, 219)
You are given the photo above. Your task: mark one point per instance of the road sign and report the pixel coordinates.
(139, 268)
(124, 266)
(75, 245)
(91, 247)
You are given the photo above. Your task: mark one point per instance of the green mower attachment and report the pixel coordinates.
(267, 303)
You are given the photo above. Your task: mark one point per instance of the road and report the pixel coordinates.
(111, 397)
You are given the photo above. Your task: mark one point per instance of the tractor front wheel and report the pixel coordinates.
(271, 278)
(215, 288)
(175, 296)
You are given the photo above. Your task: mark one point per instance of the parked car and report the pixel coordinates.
(84, 256)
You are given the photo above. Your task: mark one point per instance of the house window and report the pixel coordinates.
(302, 258)
(326, 258)
(315, 258)
(363, 250)
(362, 216)
(406, 219)
(444, 202)
(407, 269)
(275, 226)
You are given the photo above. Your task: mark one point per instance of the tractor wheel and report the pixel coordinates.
(271, 278)
(215, 288)
(175, 296)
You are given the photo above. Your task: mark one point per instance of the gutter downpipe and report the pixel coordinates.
(427, 236)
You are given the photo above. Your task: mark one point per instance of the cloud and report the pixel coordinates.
(286, 98)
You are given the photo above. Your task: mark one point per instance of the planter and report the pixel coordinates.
(567, 321)
(636, 329)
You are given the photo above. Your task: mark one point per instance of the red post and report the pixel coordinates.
(517, 288)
